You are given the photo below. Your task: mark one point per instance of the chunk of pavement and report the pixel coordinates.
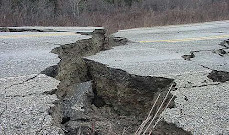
(76, 107)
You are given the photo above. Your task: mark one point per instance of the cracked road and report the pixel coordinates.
(24, 102)
(202, 105)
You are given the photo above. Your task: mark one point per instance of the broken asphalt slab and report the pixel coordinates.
(201, 103)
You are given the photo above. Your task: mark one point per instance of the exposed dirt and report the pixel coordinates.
(126, 93)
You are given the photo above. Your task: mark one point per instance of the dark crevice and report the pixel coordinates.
(52, 92)
(205, 85)
(189, 57)
(65, 120)
(51, 71)
(206, 67)
(199, 86)
(98, 101)
(85, 33)
(219, 76)
(27, 95)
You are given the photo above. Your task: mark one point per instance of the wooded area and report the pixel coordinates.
(113, 14)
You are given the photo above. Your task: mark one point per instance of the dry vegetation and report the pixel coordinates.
(112, 14)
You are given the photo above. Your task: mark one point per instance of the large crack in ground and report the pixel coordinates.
(97, 99)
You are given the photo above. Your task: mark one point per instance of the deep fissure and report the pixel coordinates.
(97, 99)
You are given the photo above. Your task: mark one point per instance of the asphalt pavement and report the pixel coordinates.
(24, 98)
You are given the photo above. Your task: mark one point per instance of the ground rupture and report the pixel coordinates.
(97, 99)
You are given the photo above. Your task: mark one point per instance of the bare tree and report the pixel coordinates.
(75, 7)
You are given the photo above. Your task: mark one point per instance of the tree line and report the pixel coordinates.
(113, 14)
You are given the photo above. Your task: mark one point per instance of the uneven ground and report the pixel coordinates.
(97, 94)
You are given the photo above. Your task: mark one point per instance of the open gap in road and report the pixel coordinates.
(97, 99)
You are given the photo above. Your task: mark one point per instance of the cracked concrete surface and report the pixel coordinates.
(202, 110)
(24, 106)
(201, 105)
